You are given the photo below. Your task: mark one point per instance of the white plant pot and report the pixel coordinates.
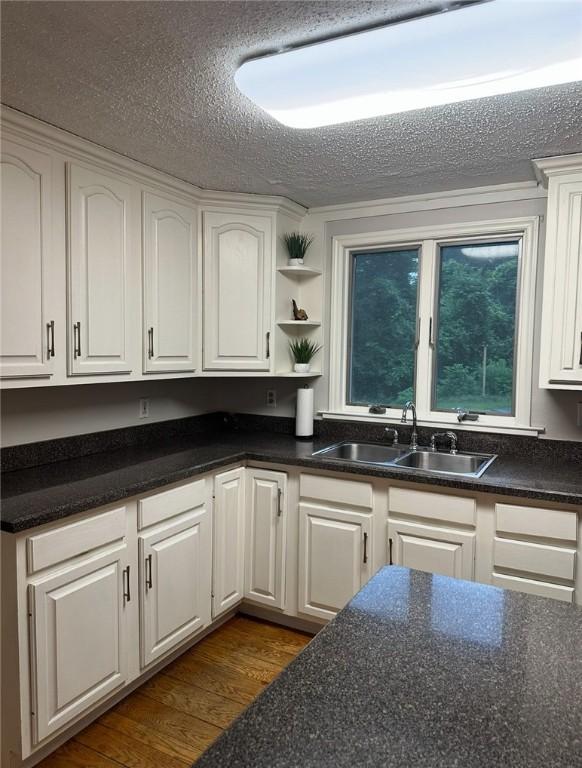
(302, 367)
(295, 262)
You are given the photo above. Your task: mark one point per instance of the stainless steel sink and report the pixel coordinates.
(468, 464)
(365, 453)
(461, 464)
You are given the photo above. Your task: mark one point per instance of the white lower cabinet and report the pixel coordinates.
(534, 550)
(228, 541)
(175, 571)
(78, 644)
(334, 558)
(265, 537)
(446, 551)
(98, 600)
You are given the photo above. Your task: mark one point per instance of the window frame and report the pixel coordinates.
(428, 240)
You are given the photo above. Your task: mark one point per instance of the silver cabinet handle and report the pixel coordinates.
(150, 343)
(365, 547)
(268, 344)
(148, 566)
(279, 502)
(430, 338)
(50, 338)
(77, 340)
(126, 586)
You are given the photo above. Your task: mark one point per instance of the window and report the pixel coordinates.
(440, 316)
(476, 322)
(383, 327)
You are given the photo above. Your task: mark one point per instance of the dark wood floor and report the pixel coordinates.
(170, 720)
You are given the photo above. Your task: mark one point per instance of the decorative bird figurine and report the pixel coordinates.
(298, 314)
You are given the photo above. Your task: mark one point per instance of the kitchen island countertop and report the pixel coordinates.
(423, 671)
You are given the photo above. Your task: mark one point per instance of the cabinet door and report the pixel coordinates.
(229, 543)
(561, 350)
(237, 292)
(175, 582)
(100, 217)
(169, 260)
(429, 548)
(27, 341)
(79, 638)
(334, 558)
(265, 539)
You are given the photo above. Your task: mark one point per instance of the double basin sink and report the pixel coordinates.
(462, 464)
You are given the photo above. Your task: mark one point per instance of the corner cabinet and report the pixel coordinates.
(102, 281)
(228, 541)
(27, 319)
(238, 279)
(266, 537)
(561, 334)
(169, 266)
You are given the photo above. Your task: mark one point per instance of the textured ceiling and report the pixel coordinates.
(154, 81)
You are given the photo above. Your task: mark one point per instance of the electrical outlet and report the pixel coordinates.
(144, 407)
(272, 398)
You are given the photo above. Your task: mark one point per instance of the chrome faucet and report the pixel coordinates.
(414, 436)
(449, 435)
(394, 432)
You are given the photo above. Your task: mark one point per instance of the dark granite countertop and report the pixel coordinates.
(40, 494)
(423, 671)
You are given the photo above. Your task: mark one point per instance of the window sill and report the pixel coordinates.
(480, 426)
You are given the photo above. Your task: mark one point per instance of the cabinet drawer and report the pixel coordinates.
(349, 493)
(528, 521)
(557, 562)
(167, 504)
(531, 587)
(67, 541)
(433, 506)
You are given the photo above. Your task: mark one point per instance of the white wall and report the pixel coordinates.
(554, 410)
(30, 415)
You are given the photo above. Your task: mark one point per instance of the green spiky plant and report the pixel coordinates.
(297, 244)
(303, 351)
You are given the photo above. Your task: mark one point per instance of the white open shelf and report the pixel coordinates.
(293, 375)
(299, 271)
(296, 323)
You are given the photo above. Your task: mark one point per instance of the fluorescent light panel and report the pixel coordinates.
(496, 47)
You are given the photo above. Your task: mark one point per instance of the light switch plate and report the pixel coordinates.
(144, 407)
(579, 417)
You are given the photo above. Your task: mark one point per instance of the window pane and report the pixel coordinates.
(383, 327)
(476, 327)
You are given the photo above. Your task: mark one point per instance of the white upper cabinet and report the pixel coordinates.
(169, 262)
(27, 321)
(101, 281)
(561, 342)
(237, 291)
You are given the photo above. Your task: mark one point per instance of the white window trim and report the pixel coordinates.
(427, 238)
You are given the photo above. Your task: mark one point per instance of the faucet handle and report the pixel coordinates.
(394, 434)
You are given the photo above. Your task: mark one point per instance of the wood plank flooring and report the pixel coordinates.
(172, 718)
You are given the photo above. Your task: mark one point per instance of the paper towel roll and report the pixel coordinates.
(304, 413)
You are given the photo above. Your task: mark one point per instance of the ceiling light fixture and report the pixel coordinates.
(469, 52)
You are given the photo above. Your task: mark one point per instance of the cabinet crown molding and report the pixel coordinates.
(545, 167)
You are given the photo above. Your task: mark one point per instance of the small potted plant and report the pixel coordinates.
(303, 351)
(297, 244)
